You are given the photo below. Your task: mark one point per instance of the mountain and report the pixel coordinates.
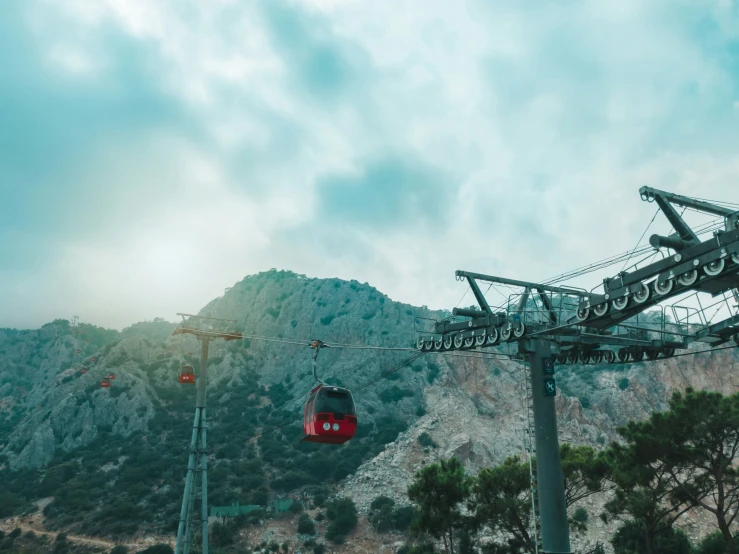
(110, 463)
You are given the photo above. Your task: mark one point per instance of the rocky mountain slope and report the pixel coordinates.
(113, 461)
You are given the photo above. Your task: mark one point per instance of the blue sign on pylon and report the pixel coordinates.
(550, 387)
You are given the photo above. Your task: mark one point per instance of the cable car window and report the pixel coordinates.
(335, 401)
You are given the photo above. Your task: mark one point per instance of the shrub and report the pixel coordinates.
(319, 549)
(343, 516)
(221, 535)
(381, 501)
(420, 411)
(327, 320)
(580, 515)
(623, 384)
(119, 549)
(433, 373)
(425, 440)
(394, 394)
(712, 544)
(306, 526)
(158, 549)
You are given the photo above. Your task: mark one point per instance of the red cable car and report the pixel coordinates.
(111, 376)
(84, 370)
(105, 383)
(94, 360)
(329, 415)
(187, 375)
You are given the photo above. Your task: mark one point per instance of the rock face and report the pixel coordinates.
(472, 408)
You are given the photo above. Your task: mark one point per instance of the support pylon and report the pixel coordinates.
(196, 482)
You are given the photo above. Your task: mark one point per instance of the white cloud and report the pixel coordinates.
(545, 120)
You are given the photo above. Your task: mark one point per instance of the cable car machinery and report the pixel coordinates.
(562, 324)
(196, 482)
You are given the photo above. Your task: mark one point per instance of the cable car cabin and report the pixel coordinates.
(84, 370)
(187, 375)
(329, 415)
(111, 376)
(105, 383)
(94, 360)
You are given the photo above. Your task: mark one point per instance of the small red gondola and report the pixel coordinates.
(111, 376)
(329, 415)
(105, 383)
(94, 360)
(187, 375)
(84, 370)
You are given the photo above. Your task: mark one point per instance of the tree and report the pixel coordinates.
(501, 500)
(439, 490)
(629, 539)
(119, 549)
(158, 549)
(695, 447)
(343, 516)
(306, 526)
(584, 472)
(642, 489)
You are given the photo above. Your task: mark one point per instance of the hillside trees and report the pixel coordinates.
(684, 457)
(440, 490)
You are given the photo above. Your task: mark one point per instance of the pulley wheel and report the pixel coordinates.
(652, 353)
(609, 356)
(620, 303)
(622, 354)
(688, 278)
(572, 357)
(735, 258)
(642, 295)
(519, 330)
(664, 287)
(715, 267)
(427, 345)
(458, 341)
(595, 358)
(479, 340)
(468, 342)
(448, 341)
(583, 358)
(601, 309)
(505, 332)
(637, 355)
(582, 314)
(492, 336)
(561, 358)
(438, 343)
(419, 343)
(668, 352)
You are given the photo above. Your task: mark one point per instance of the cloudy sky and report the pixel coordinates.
(153, 153)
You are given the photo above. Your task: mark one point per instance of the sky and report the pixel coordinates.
(154, 153)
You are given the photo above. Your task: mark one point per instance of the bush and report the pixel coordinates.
(425, 440)
(712, 544)
(433, 373)
(394, 394)
(381, 501)
(15, 533)
(120, 549)
(319, 549)
(306, 526)
(623, 384)
(221, 535)
(629, 539)
(343, 516)
(158, 549)
(580, 515)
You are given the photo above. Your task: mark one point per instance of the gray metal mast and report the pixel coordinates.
(196, 482)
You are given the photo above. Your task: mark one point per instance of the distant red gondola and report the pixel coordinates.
(84, 370)
(329, 415)
(111, 376)
(94, 359)
(187, 375)
(105, 383)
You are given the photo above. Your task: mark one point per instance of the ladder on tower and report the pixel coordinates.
(529, 446)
